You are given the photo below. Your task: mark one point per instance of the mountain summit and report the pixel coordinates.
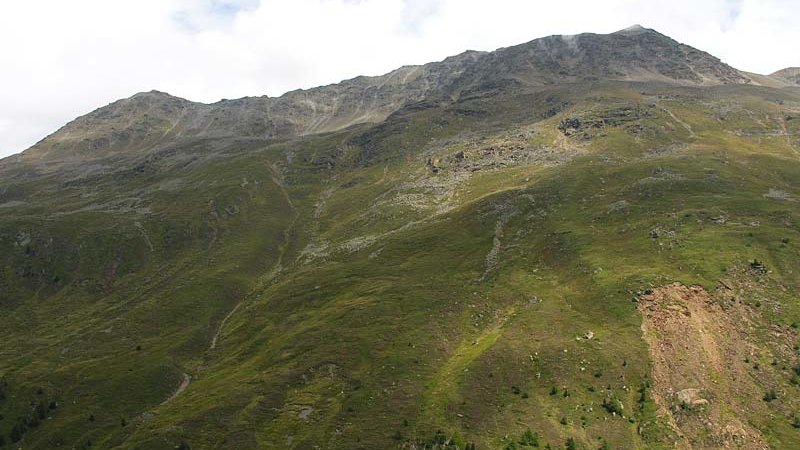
(579, 242)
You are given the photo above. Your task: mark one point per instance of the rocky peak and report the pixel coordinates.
(634, 30)
(125, 124)
(633, 54)
(153, 95)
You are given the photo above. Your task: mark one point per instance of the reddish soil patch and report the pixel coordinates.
(700, 378)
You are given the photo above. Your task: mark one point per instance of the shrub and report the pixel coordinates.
(41, 411)
(642, 395)
(613, 406)
(17, 431)
(530, 438)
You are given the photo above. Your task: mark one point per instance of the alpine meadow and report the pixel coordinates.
(581, 242)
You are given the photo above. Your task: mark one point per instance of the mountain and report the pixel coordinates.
(790, 74)
(587, 241)
(147, 119)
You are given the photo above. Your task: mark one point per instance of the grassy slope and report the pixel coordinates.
(401, 323)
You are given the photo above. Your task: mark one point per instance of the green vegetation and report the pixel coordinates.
(333, 290)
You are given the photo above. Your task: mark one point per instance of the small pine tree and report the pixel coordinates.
(41, 410)
(613, 406)
(571, 445)
(530, 438)
(17, 431)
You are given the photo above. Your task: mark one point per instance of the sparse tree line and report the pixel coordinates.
(40, 408)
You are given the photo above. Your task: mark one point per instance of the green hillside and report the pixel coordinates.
(491, 265)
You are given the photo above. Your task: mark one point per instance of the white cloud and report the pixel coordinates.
(60, 59)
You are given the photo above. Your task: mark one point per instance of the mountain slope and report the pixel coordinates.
(591, 238)
(790, 74)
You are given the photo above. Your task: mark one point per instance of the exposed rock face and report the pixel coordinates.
(690, 397)
(139, 123)
(635, 53)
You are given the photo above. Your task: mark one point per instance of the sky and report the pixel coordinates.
(60, 59)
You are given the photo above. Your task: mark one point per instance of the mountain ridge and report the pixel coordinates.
(632, 54)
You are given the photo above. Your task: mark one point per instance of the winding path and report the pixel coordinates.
(182, 387)
(222, 325)
(681, 122)
(187, 378)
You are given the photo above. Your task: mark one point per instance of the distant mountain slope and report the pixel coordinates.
(143, 121)
(790, 74)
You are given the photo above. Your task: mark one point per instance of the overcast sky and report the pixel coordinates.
(63, 58)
